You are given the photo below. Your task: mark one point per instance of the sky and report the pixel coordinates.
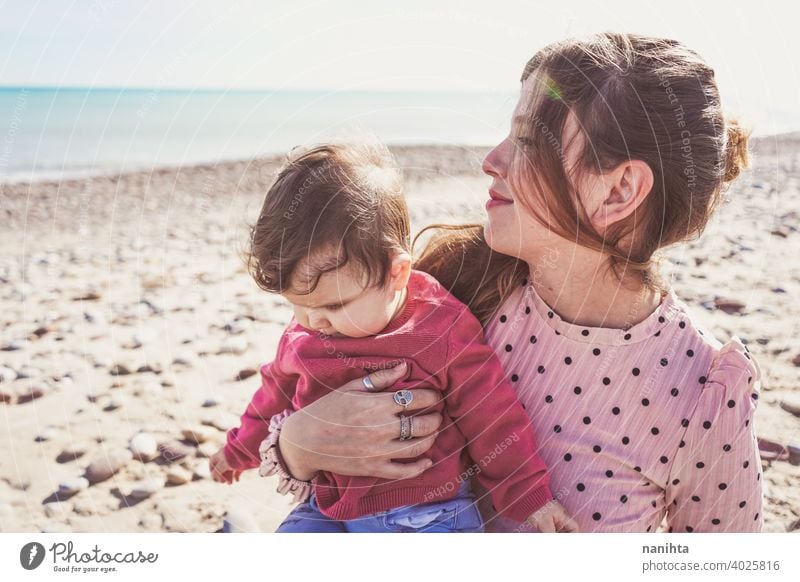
(407, 45)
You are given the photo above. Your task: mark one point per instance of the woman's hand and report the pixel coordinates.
(354, 432)
(221, 471)
(553, 518)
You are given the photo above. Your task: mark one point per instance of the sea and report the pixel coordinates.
(55, 132)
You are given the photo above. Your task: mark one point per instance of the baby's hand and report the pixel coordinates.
(221, 471)
(553, 518)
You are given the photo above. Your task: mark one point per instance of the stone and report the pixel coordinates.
(48, 434)
(88, 296)
(74, 451)
(108, 464)
(14, 345)
(143, 446)
(147, 487)
(7, 396)
(30, 393)
(202, 470)
(729, 306)
(796, 360)
(119, 370)
(245, 374)
(199, 434)
(186, 358)
(177, 475)
(71, 487)
(234, 345)
(114, 402)
(173, 451)
(212, 401)
(7, 374)
(207, 449)
(239, 521)
(791, 404)
(223, 421)
(151, 521)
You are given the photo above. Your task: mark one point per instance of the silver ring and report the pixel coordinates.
(403, 397)
(368, 383)
(410, 427)
(405, 432)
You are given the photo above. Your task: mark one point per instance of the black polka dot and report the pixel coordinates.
(664, 460)
(638, 469)
(514, 377)
(624, 499)
(596, 516)
(731, 403)
(685, 422)
(689, 529)
(580, 487)
(682, 324)
(509, 347)
(550, 314)
(635, 371)
(745, 464)
(596, 351)
(715, 521)
(527, 310)
(660, 319)
(742, 504)
(568, 457)
(627, 336)
(567, 360)
(682, 444)
(649, 527)
(700, 465)
(597, 448)
(726, 448)
(606, 380)
(702, 379)
(675, 482)
(674, 391)
(658, 333)
(615, 410)
(557, 428)
(645, 402)
(664, 361)
(609, 473)
(587, 420)
(625, 440)
(548, 398)
(577, 390)
(533, 339)
(695, 498)
(503, 319)
(690, 353)
(755, 518)
(707, 424)
(723, 486)
(540, 369)
(654, 430)
(585, 332)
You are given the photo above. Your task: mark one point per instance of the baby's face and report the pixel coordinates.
(342, 306)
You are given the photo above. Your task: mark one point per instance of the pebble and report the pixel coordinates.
(149, 389)
(188, 359)
(7, 374)
(7, 396)
(88, 296)
(114, 402)
(143, 446)
(202, 470)
(199, 434)
(29, 393)
(729, 306)
(239, 521)
(207, 449)
(47, 434)
(151, 521)
(28, 372)
(14, 345)
(223, 421)
(173, 451)
(234, 345)
(796, 360)
(245, 374)
(212, 401)
(71, 487)
(119, 370)
(103, 467)
(177, 475)
(791, 403)
(74, 451)
(147, 487)
(57, 508)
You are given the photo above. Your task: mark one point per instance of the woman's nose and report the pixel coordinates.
(495, 163)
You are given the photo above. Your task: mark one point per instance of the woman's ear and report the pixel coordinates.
(625, 188)
(400, 271)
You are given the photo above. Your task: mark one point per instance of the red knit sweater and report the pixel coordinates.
(485, 433)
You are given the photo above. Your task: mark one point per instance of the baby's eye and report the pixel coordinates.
(335, 307)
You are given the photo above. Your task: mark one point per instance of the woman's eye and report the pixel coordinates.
(524, 141)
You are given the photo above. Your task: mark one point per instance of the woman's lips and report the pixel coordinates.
(495, 196)
(497, 200)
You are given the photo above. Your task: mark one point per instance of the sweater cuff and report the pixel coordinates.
(529, 504)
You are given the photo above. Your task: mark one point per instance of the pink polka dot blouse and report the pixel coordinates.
(635, 425)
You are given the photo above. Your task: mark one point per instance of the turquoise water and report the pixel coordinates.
(50, 132)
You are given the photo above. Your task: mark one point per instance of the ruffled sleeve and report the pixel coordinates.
(715, 481)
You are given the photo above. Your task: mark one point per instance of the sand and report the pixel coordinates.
(126, 310)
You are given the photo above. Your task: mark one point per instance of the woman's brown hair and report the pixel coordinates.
(634, 97)
(330, 205)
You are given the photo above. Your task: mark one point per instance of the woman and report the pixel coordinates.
(618, 147)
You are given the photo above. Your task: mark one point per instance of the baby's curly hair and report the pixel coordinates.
(330, 205)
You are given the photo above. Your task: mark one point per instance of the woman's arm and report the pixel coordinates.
(354, 432)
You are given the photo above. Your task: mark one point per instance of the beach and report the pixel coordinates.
(132, 334)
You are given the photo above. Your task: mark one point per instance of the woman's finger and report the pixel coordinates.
(380, 379)
(411, 448)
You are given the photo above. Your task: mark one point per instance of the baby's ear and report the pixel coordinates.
(401, 269)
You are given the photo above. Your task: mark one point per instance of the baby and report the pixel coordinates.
(333, 239)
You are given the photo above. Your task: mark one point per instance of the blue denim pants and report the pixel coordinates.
(459, 514)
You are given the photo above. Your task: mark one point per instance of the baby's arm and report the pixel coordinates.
(500, 438)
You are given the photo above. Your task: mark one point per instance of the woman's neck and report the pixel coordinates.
(584, 292)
